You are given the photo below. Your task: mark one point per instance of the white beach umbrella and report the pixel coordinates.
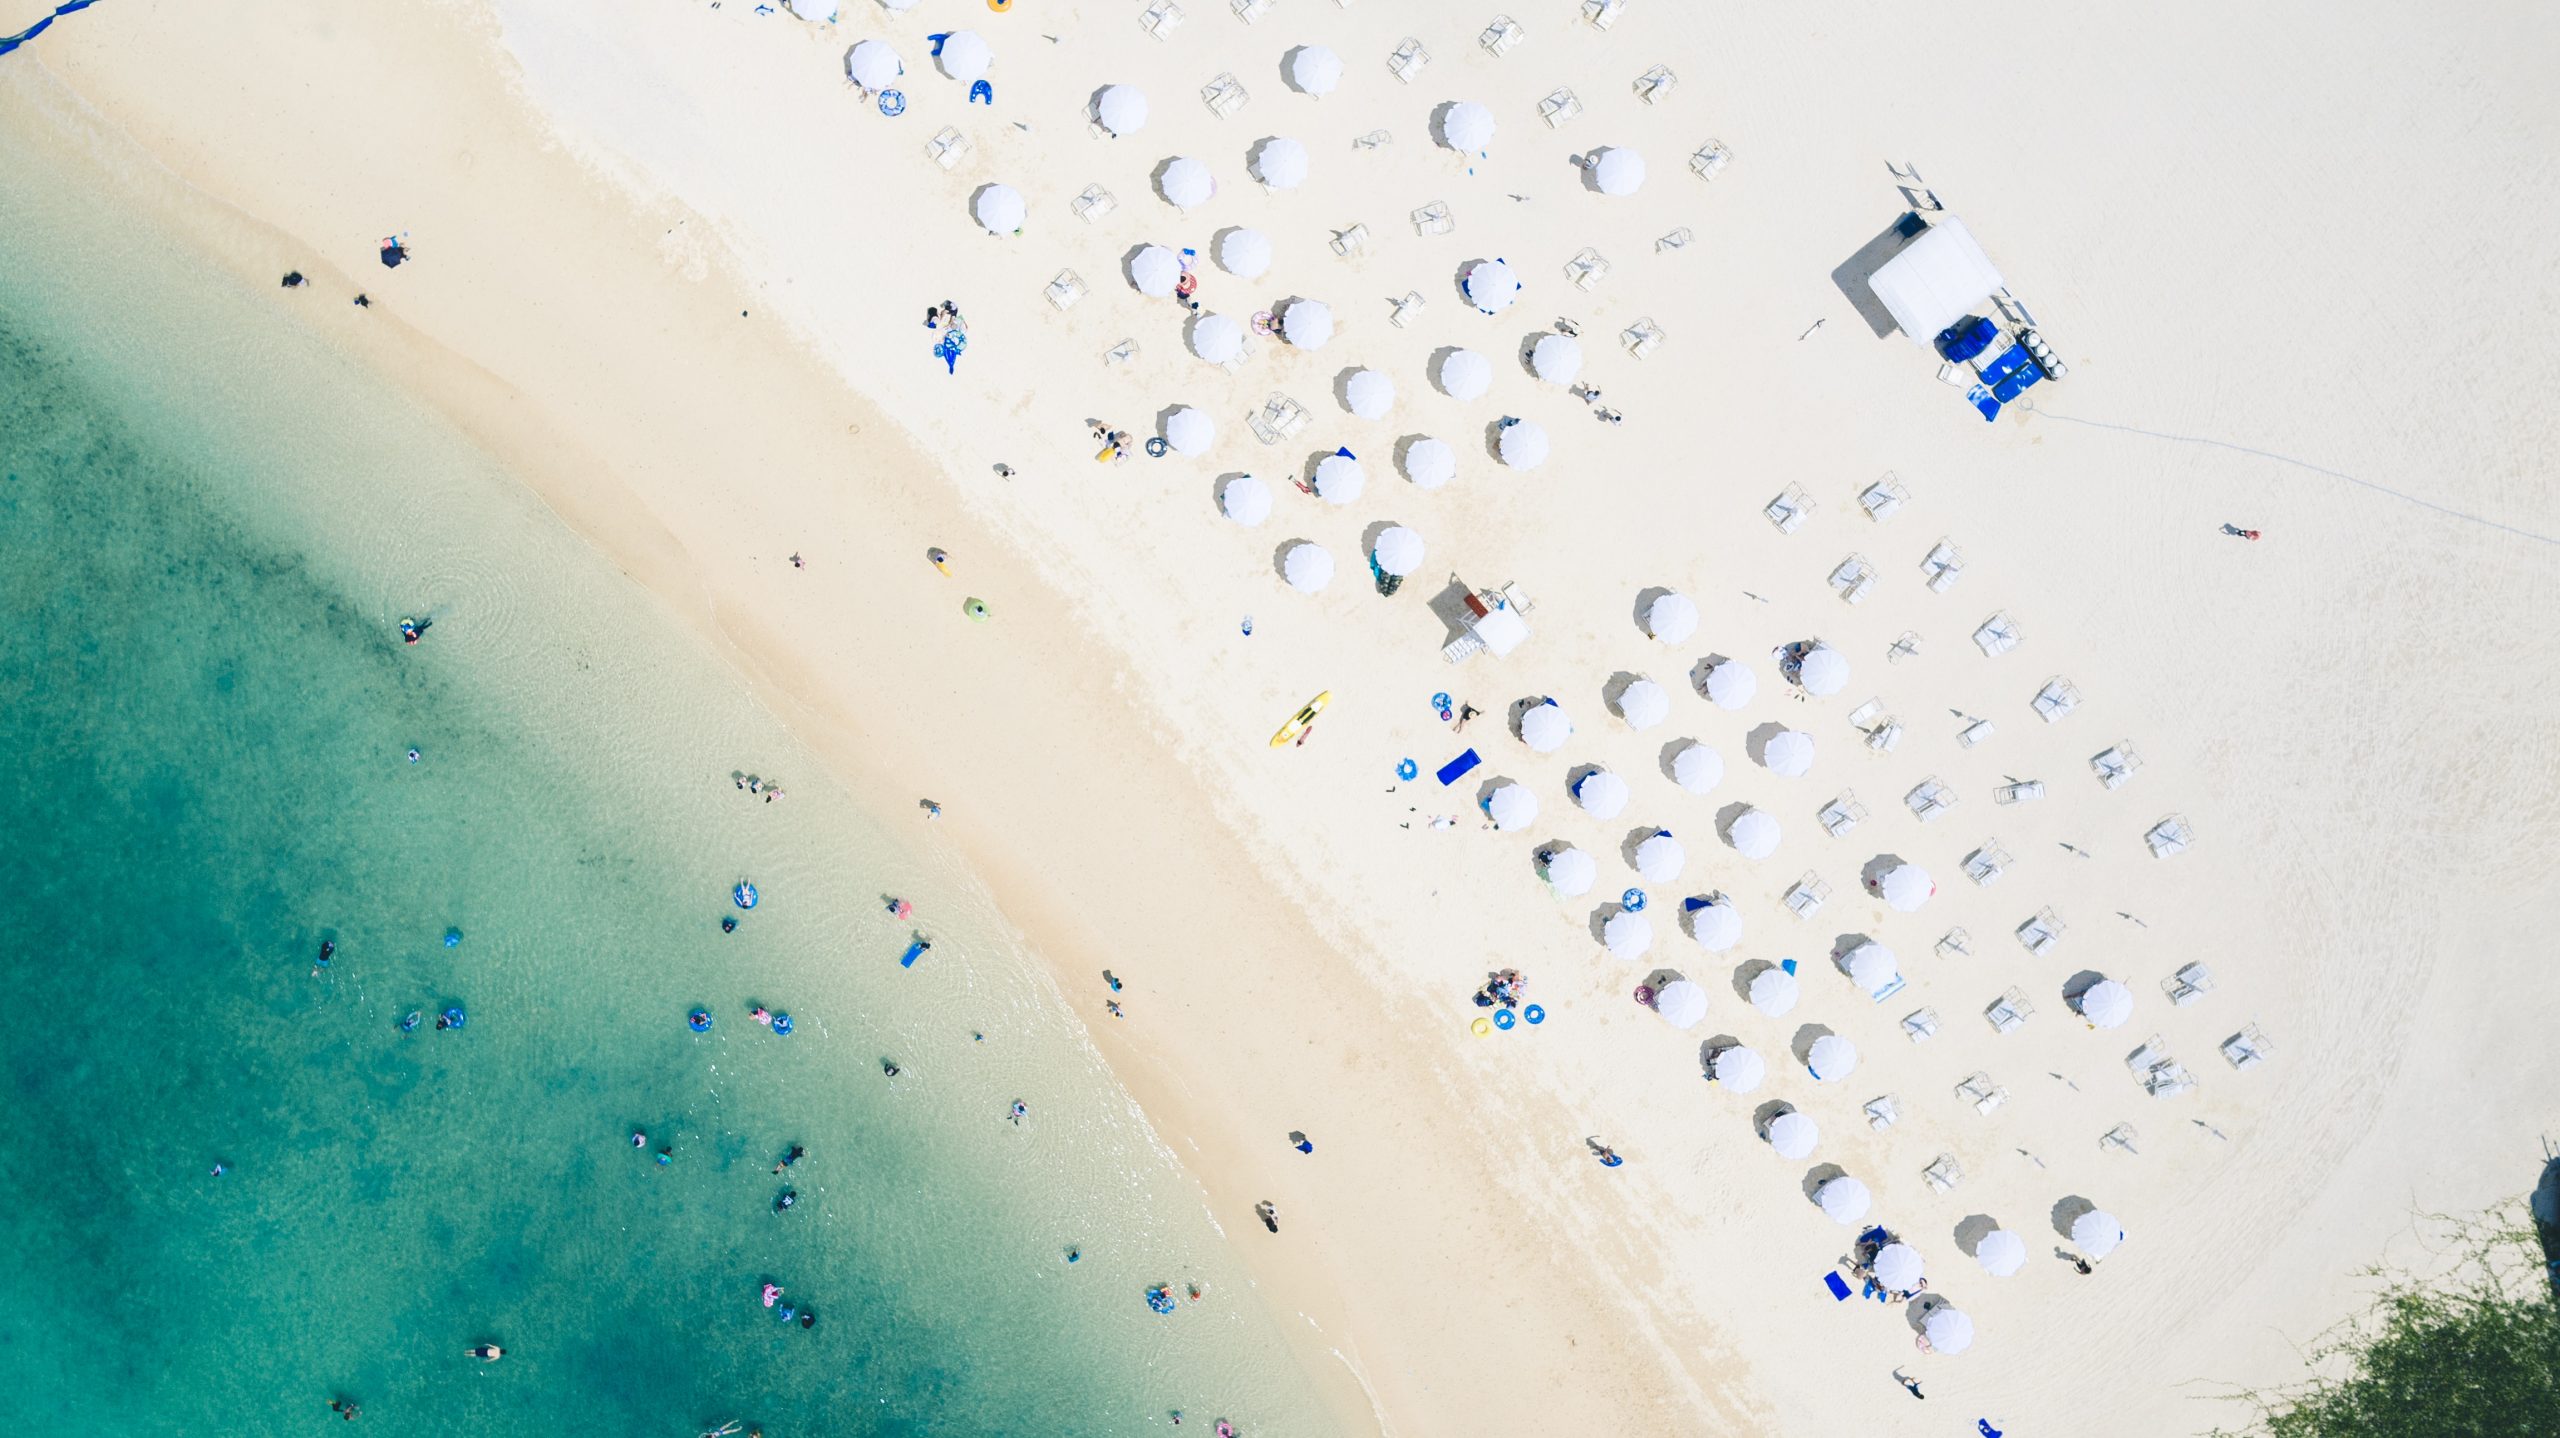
(2001, 1253)
(1571, 872)
(1897, 1267)
(1681, 1003)
(1190, 432)
(1216, 338)
(1627, 935)
(1430, 463)
(1740, 1068)
(1245, 253)
(1671, 617)
(1315, 69)
(1467, 126)
(965, 56)
(1545, 727)
(1620, 171)
(1601, 794)
(2097, 1233)
(1370, 392)
(1643, 704)
(1871, 966)
(1823, 671)
(1155, 270)
(1774, 992)
(1122, 109)
(1844, 1200)
(1308, 566)
(1281, 163)
(1000, 209)
(1697, 768)
(2107, 1004)
(1307, 324)
(1339, 479)
(1246, 500)
(1832, 1058)
(1947, 1329)
(1731, 684)
(1187, 182)
(1716, 926)
(1511, 807)
(1793, 1134)
(1398, 551)
(1523, 444)
(821, 12)
(873, 65)
(1753, 833)
(1464, 374)
(1789, 753)
(1660, 859)
(1557, 359)
(1906, 886)
(1490, 286)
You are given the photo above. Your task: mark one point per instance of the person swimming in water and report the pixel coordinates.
(344, 1408)
(796, 1154)
(486, 1352)
(728, 923)
(666, 1156)
(787, 1198)
(772, 1291)
(328, 949)
(1019, 1110)
(409, 1021)
(889, 1068)
(413, 756)
(639, 1138)
(413, 630)
(808, 1318)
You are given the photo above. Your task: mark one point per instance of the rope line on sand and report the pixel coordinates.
(38, 28)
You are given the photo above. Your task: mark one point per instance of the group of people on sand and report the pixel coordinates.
(1862, 1267)
(1502, 987)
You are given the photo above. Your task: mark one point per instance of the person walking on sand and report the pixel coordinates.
(1909, 1383)
(2237, 532)
(1269, 1213)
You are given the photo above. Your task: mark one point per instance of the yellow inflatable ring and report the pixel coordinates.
(1482, 1027)
(999, 6)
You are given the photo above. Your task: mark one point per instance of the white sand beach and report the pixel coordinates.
(2297, 259)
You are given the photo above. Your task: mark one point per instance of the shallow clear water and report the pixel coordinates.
(208, 529)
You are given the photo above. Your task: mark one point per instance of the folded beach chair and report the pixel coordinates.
(1942, 565)
(1985, 865)
(2114, 766)
(1789, 509)
(1406, 309)
(2025, 791)
(2014, 309)
(948, 147)
(1979, 1091)
(1884, 498)
(1842, 814)
(1433, 219)
(1884, 736)
(2188, 984)
(2057, 698)
(1904, 646)
(2247, 1049)
(1853, 579)
(1224, 95)
(1881, 1112)
(1502, 36)
(1560, 105)
(2041, 932)
(2169, 836)
(1865, 715)
(1806, 898)
(2168, 1079)
(1974, 733)
(1066, 289)
(1655, 85)
(1955, 945)
(1920, 1025)
(2008, 1011)
(1641, 338)
(1603, 13)
(1676, 240)
(1943, 1173)
(1928, 799)
(1408, 60)
(1160, 19)
(1373, 140)
(1352, 241)
(2120, 1137)
(1998, 635)
(1586, 269)
(1956, 376)
(1710, 160)
(1093, 204)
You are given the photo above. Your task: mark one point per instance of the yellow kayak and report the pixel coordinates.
(1299, 722)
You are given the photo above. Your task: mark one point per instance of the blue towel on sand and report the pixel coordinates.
(1839, 1289)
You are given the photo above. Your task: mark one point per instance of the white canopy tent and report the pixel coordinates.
(999, 208)
(2001, 1253)
(1935, 280)
(1731, 684)
(2106, 1004)
(1246, 500)
(1753, 833)
(1155, 270)
(2097, 1233)
(1545, 727)
(1523, 444)
(1844, 1200)
(1681, 1003)
(1774, 992)
(1190, 432)
(1788, 754)
(1793, 1134)
(1339, 479)
(1571, 872)
(1465, 374)
(1281, 163)
(1716, 926)
(965, 56)
(1511, 807)
(1739, 1068)
(1672, 617)
(1906, 886)
(1557, 359)
(1490, 286)
(1831, 1059)
(1643, 704)
(1618, 171)
(1315, 70)
(1308, 566)
(1307, 324)
(1824, 670)
(1871, 966)
(1245, 253)
(1660, 858)
(1187, 182)
(1216, 338)
(873, 65)
(1898, 1267)
(1601, 794)
(1122, 109)
(1627, 935)
(1697, 768)
(1430, 463)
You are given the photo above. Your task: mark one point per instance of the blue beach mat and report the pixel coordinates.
(1456, 769)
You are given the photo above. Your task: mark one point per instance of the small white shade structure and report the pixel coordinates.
(1339, 479)
(1871, 966)
(1464, 374)
(1190, 432)
(1155, 270)
(2001, 1253)
(2097, 1233)
(1935, 280)
(1619, 171)
(1844, 1200)
(1216, 338)
(1308, 566)
(1832, 1058)
(1371, 393)
(999, 208)
(1523, 444)
(1557, 359)
(1898, 1267)
(1906, 886)
(1627, 935)
(1307, 324)
(1671, 617)
(1467, 126)
(1793, 1134)
(1315, 69)
(1398, 551)
(1245, 254)
(1716, 926)
(1246, 500)
(1122, 109)
(1753, 833)
(1571, 872)
(1601, 794)
(1789, 754)
(1681, 1003)
(1511, 807)
(2106, 1004)
(1545, 727)
(1490, 286)
(1740, 1068)
(965, 56)
(1731, 684)
(1823, 671)
(873, 65)
(1697, 768)
(1281, 163)
(1774, 992)
(1643, 704)
(1430, 463)
(1660, 859)
(1187, 182)
(1947, 1329)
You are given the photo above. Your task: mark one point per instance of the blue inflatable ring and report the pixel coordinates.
(452, 938)
(744, 895)
(1406, 769)
(1504, 1018)
(782, 1023)
(699, 1021)
(893, 102)
(1440, 701)
(1534, 1014)
(1632, 901)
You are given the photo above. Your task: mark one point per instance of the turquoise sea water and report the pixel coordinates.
(208, 528)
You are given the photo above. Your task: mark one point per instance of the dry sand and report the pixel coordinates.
(2298, 259)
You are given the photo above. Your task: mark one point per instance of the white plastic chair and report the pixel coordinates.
(1974, 733)
(2188, 985)
(1224, 95)
(1093, 204)
(1560, 106)
(2115, 766)
(2040, 933)
(1710, 160)
(948, 147)
(1502, 36)
(1655, 85)
(2009, 1011)
(1998, 635)
(1408, 60)
(1884, 498)
(2246, 1049)
(2169, 836)
(1956, 945)
(1985, 865)
(1352, 241)
(1928, 799)
(1066, 289)
(1160, 19)
(1121, 353)
(2023, 792)
(1852, 580)
(1978, 1089)
(1586, 269)
(1842, 815)
(1603, 13)
(1434, 219)
(1921, 1025)
(1407, 309)
(1677, 240)
(1641, 338)
(1943, 564)
(1806, 897)
(2057, 698)
(1789, 509)
(1251, 10)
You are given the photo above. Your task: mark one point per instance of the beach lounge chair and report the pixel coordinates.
(2188, 985)
(1943, 563)
(1710, 160)
(1121, 353)
(1160, 19)
(1885, 736)
(1881, 1112)
(2013, 309)
(1985, 865)
(2169, 836)
(1842, 815)
(1093, 204)
(2247, 1049)
(1502, 36)
(1943, 1173)
(1373, 140)
(1433, 219)
(948, 147)
(1224, 95)
(1900, 981)
(1998, 635)
(1906, 645)
(1920, 1025)
(1789, 509)
(1882, 499)
(1865, 715)
(2023, 792)
(1853, 578)
(1407, 309)
(2057, 698)
(1603, 13)
(1408, 59)
(1285, 416)
(1956, 944)
(1974, 733)
(1251, 10)
(1641, 338)
(1806, 897)
(1655, 85)
(1560, 105)
(1586, 269)
(1979, 1090)
(2120, 1137)
(2008, 1011)
(1928, 799)
(2160, 1075)
(2041, 932)
(1677, 240)
(2114, 766)
(1066, 289)
(1352, 241)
